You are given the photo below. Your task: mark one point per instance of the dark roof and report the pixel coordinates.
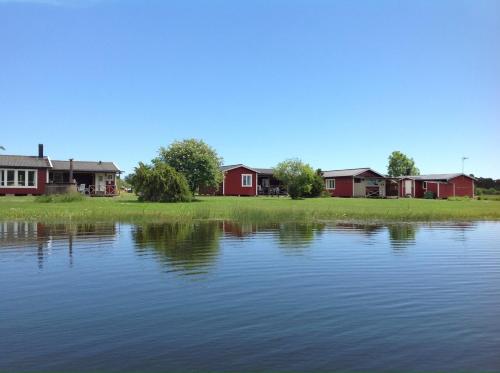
(435, 177)
(348, 172)
(24, 161)
(85, 166)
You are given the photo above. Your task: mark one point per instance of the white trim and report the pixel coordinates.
(424, 185)
(438, 190)
(334, 183)
(16, 178)
(238, 166)
(243, 176)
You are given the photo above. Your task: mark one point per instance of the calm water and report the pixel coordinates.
(228, 297)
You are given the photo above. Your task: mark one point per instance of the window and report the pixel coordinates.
(18, 178)
(110, 177)
(424, 185)
(21, 178)
(330, 183)
(10, 177)
(357, 180)
(31, 178)
(372, 182)
(246, 180)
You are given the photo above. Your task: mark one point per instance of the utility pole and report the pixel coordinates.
(463, 163)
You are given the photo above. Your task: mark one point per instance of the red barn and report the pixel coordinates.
(442, 185)
(354, 182)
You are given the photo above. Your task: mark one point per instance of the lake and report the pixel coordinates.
(221, 296)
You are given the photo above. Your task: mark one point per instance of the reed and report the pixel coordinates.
(247, 209)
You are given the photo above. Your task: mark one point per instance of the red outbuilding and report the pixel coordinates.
(354, 182)
(441, 185)
(239, 180)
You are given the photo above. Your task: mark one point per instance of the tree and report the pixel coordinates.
(401, 165)
(160, 183)
(2, 148)
(196, 160)
(296, 176)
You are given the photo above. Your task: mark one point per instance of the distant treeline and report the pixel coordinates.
(487, 183)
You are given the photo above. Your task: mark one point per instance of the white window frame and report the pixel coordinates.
(16, 177)
(329, 181)
(243, 177)
(424, 185)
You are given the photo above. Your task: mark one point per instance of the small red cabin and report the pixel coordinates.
(239, 180)
(354, 182)
(442, 185)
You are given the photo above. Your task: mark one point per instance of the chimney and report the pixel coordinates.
(40, 150)
(71, 170)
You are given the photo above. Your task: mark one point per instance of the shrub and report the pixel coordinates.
(429, 195)
(160, 183)
(317, 185)
(67, 197)
(296, 176)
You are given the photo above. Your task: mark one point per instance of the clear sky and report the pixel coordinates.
(338, 84)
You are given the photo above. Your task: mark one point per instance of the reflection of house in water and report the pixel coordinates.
(28, 236)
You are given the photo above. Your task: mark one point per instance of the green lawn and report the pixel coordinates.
(127, 208)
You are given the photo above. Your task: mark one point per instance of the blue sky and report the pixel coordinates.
(338, 84)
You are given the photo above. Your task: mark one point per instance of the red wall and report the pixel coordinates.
(42, 179)
(464, 186)
(343, 187)
(232, 183)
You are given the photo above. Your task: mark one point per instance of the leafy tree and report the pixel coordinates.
(159, 183)
(401, 165)
(296, 176)
(199, 163)
(318, 184)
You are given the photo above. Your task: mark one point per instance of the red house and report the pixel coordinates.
(355, 182)
(239, 180)
(36, 175)
(442, 185)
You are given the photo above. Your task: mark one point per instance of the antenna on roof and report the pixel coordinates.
(463, 163)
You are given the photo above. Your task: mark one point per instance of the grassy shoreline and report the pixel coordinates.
(251, 209)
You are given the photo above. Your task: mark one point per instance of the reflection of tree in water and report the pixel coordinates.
(191, 248)
(298, 235)
(365, 229)
(402, 235)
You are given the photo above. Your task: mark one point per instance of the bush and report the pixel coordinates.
(325, 194)
(429, 195)
(317, 185)
(160, 183)
(67, 197)
(297, 177)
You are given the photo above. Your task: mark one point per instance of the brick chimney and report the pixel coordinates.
(40, 150)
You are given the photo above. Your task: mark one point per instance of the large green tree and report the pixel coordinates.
(196, 160)
(296, 176)
(401, 165)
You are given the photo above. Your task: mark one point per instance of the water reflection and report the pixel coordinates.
(402, 236)
(22, 235)
(190, 248)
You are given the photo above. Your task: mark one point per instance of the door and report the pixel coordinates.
(408, 187)
(100, 183)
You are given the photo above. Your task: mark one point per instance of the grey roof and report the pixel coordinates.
(24, 161)
(348, 172)
(435, 176)
(85, 166)
(232, 166)
(266, 171)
